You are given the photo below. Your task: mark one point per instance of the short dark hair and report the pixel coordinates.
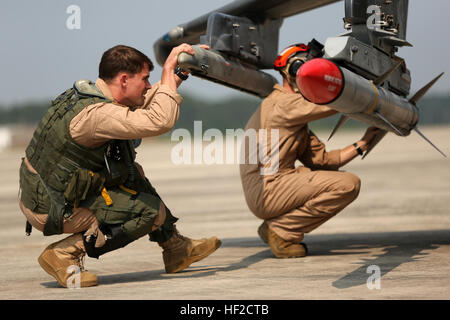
(122, 59)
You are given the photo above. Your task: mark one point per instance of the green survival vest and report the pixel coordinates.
(69, 171)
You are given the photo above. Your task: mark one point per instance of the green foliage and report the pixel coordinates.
(434, 109)
(222, 114)
(26, 113)
(230, 113)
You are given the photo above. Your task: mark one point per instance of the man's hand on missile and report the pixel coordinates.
(168, 76)
(370, 134)
(352, 151)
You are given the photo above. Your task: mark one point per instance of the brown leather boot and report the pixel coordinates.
(180, 252)
(262, 231)
(280, 247)
(59, 256)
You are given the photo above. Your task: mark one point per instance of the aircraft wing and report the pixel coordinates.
(256, 10)
(243, 37)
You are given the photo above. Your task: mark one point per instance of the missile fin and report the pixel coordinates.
(390, 124)
(419, 94)
(374, 142)
(386, 75)
(343, 119)
(427, 140)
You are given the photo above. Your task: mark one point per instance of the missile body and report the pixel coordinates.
(323, 82)
(210, 65)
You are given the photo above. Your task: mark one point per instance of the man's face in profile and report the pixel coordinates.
(137, 86)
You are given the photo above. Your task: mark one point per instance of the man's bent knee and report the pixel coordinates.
(351, 184)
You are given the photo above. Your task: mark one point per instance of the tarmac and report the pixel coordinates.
(398, 228)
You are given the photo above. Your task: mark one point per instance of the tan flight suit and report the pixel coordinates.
(98, 123)
(293, 200)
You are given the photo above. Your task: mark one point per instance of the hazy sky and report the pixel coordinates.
(40, 57)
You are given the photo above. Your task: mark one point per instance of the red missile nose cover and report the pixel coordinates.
(320, 81)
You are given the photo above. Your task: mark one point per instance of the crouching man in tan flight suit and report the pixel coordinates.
(293, 201)
(80, 176)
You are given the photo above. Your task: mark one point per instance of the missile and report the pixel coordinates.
(323, 82)
(210, 65)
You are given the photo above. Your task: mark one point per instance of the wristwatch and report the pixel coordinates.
(180, 74)
(358, 149)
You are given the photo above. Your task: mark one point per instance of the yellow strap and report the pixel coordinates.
(106, 197)
(376, 99)
(105, 193)
(127, 190)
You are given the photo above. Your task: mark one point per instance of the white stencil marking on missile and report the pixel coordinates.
(332, 79)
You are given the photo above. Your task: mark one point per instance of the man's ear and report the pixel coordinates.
(123, 79)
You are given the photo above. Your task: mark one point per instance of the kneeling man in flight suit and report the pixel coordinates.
(294, 200)
(79, 175)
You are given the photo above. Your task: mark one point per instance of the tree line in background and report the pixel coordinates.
(229, 113)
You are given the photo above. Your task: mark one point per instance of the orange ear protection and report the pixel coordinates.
(290, 60)
(283, 58)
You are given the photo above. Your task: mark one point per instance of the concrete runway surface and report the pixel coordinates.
(400, 223)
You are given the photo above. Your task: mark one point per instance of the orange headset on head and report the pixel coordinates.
(293, 57)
